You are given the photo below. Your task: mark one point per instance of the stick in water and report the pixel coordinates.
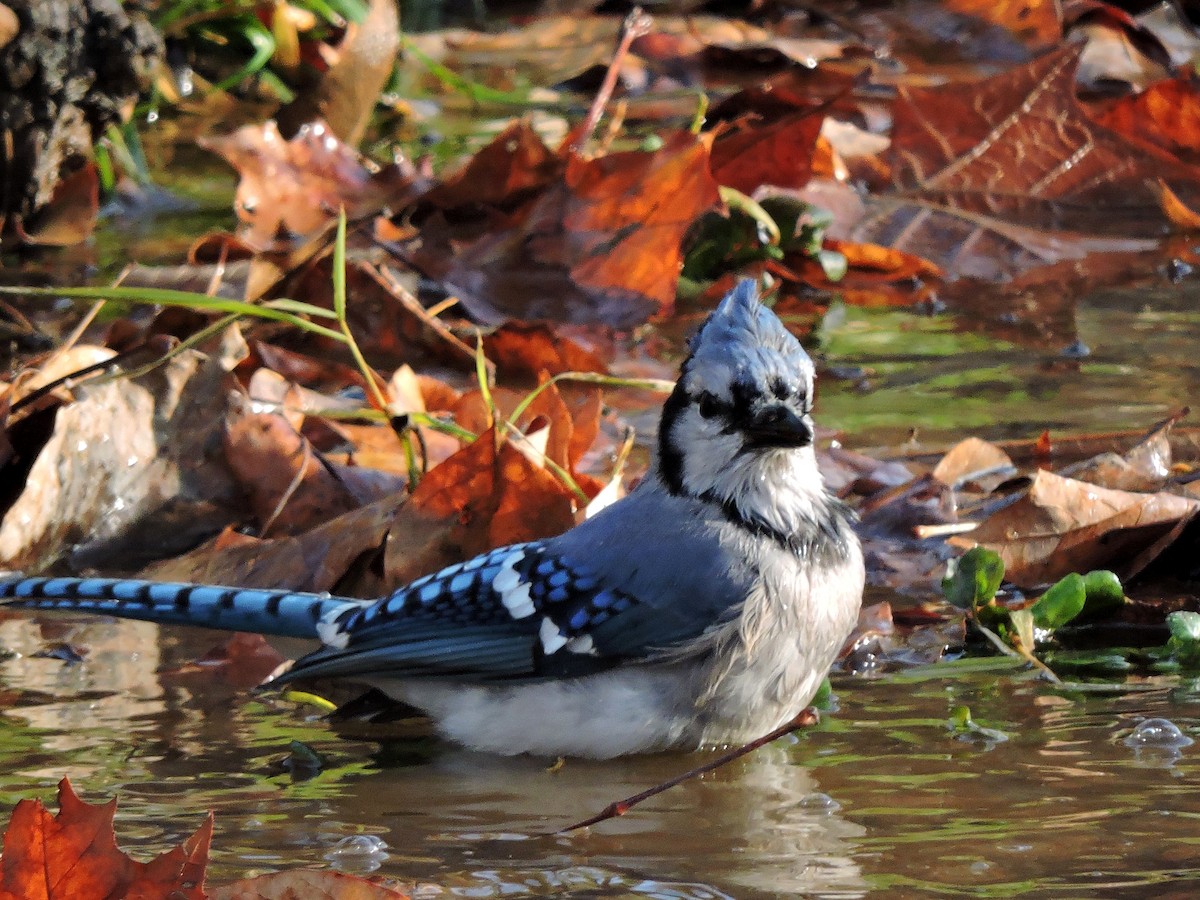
(620, 807)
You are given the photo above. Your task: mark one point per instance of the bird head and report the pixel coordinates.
(739, 416)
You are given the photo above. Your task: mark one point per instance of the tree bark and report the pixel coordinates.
(65, 76)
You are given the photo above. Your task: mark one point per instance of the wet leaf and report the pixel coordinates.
(74, 854)
(602, 244)
(1062, 603)
(320, 559)
(311, 885)
(1062, 526)
(982, 464)
(505, 172)
(1185, 626)
(1166, 114)
(974, 579)
(242, 661)
(1038, 23)
(348, 90)
(297, 186)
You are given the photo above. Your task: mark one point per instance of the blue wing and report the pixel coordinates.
(523, 611)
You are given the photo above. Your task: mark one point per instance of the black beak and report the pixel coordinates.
(777, 425)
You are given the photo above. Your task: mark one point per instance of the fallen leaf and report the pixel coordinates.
(602, 244)
(1020, 147)
(74, 855)
(297, 186)
(304, 884)
(1038, 23)
(481, 498)
(778, 153)
(503, 173)
(321, 559)
(289, 488)
(523, 349)
(982, 464)
(243, 661)
(346, 94)
(1062, 526)
(1166, 114)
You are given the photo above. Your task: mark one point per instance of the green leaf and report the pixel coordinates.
(1059, 605)
(1185, 626)
(1104, 592)
(974, 578)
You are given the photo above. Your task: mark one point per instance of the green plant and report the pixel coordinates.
(972, 584)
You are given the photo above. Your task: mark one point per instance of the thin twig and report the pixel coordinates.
(637, 24)
(620, 807)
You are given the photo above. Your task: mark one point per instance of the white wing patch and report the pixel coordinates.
(331, 633)
(514, 593)
(552, 639)
(582, 644)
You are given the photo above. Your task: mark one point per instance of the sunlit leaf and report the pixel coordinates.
(975, 579)
(1062, 603)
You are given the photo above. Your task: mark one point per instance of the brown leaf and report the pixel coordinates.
(600, 245)
(1146, 466)
(70, 215)
(322, 559)
(779, 153)
(1020, 146)
(297, 186)
(289, 489)
(1038, 23)
(1062, 526)
(478, 499)
(347, 92)
(304, 884)
(243, 661)
(984, 464)
(506, 171)
(74, 855)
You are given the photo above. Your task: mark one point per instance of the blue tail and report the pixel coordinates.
(288, 613)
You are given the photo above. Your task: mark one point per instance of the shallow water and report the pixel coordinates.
(882, 797)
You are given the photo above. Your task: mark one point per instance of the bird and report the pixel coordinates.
(703, 609)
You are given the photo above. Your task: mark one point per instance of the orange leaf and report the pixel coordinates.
(480, 498)
(74, 854)
(601, 244)
(779, 154)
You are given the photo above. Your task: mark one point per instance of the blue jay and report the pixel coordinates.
(704, 608)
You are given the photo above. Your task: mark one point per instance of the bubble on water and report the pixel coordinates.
(1159, 734)
(358, 853)
(816, 802)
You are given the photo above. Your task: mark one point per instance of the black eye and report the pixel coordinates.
(710, 406)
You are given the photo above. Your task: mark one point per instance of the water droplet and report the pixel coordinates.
(1157, 733)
